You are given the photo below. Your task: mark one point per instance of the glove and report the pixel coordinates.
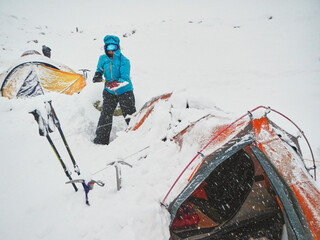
(97, 77)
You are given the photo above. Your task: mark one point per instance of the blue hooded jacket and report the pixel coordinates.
(116, 69)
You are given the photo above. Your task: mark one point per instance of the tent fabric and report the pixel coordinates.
(30, 87)
(251, 175)
(145, 111)
(295, 217)
(37, 75)
(50, 80)
(202, 175)
(290, 166)
(30, 52)
(281, 164)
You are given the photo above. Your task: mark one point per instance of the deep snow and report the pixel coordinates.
(225, 57)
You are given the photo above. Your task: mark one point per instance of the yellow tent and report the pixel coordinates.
(35, 75)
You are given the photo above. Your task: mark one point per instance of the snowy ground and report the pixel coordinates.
(229, 55)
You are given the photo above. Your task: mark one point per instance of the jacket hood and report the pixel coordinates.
(111, 39)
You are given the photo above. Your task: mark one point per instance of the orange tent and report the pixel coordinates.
(248, 180)
(256, 185)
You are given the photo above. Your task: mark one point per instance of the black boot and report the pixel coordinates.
(99, 141)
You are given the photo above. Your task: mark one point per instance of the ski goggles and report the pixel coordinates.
(111, 47)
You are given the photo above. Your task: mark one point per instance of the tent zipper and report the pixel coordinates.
(111, 70)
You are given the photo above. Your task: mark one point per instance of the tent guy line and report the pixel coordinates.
(79, 132)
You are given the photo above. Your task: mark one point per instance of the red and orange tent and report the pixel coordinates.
(248, 181)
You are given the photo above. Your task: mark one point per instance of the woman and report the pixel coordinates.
(116, 70)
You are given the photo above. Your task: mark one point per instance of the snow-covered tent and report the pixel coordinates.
(34, 75)
(248, 180)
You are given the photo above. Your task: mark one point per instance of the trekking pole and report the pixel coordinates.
(57, 123)
(43, 130)
(66, 171)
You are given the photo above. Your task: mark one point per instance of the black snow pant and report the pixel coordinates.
(110, 102)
